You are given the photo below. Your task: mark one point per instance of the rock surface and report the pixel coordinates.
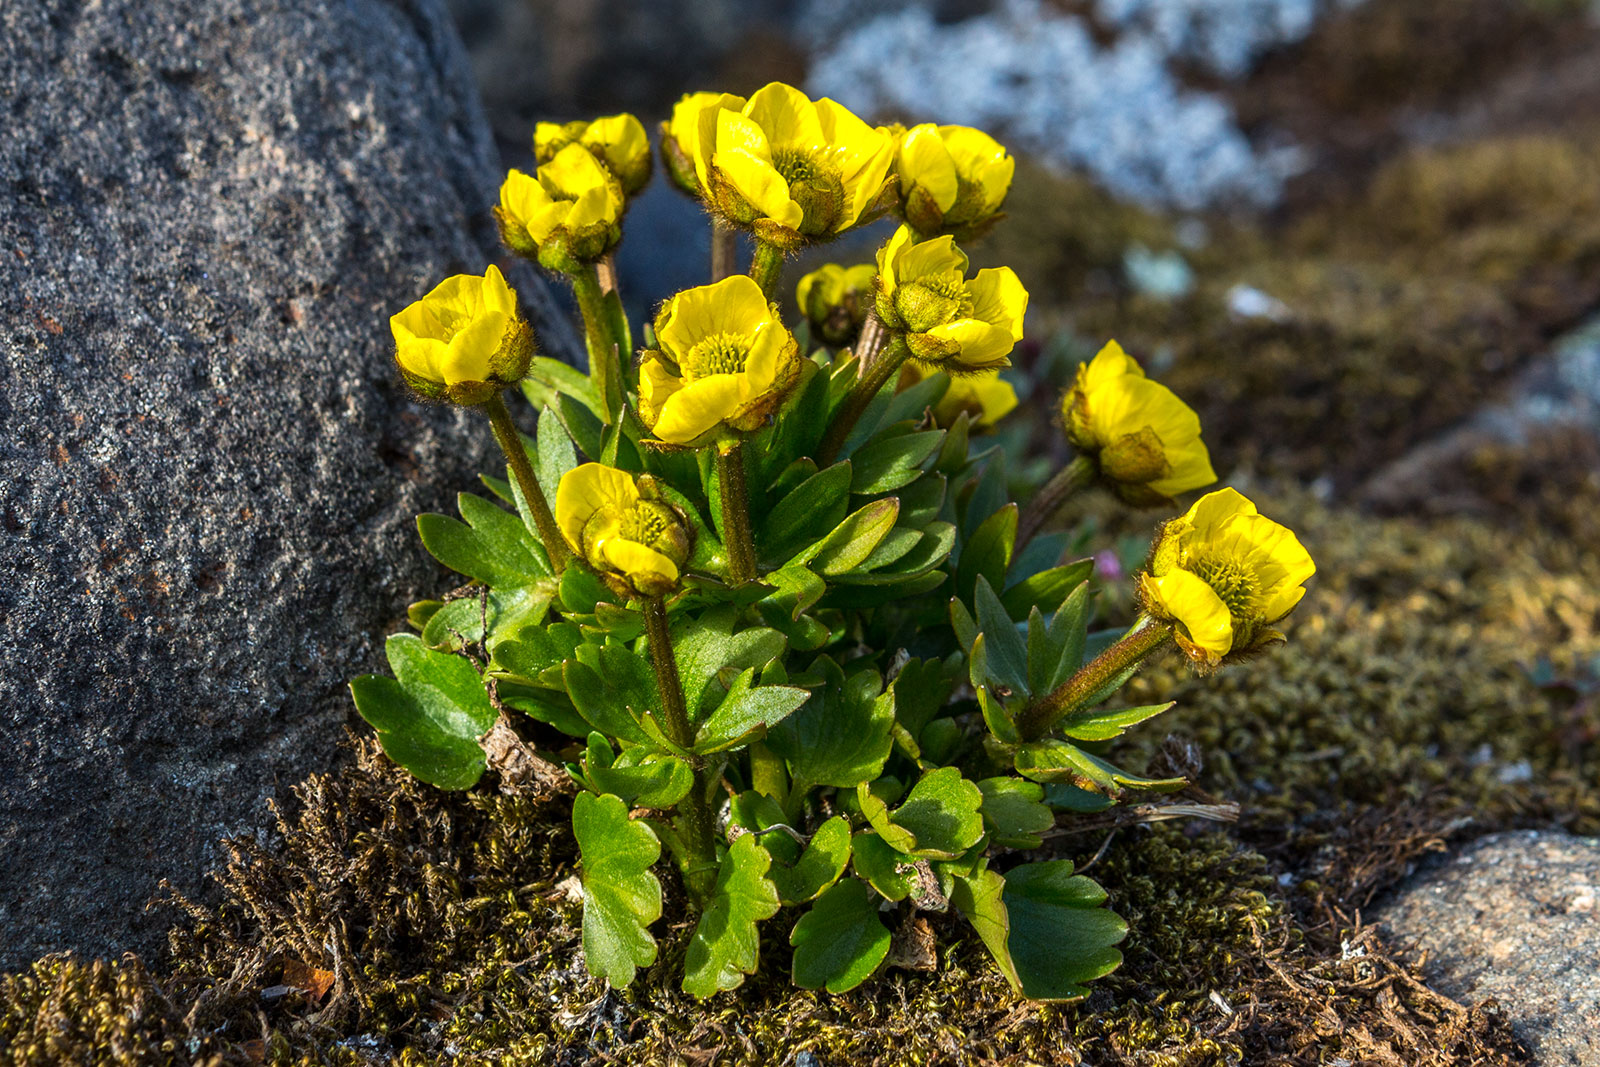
(208, 471)
(1514, 916)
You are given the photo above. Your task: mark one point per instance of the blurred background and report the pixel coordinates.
(1361, 236)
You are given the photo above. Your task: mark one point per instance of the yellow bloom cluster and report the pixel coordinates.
(617, 142)
(566, 215)
(835, 300)
(959, 324)
(953, 179)
(464, 341)
(1223, 574)
(725, 362)
(1146, 440)
(635, 539)
(790, 169)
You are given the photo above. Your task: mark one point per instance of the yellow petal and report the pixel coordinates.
(987, 397)
(421, 356)
(859, 277)
(471, 351)
(599, 206)
(983, 346)
(1212, 511)
(889, 255)
(586, 489)
(1195, 605)
(573, 172)
(1191, 469)
(657, 382)
(636, 560)
(497, 292)
(1127, 405)
(1110, 362)
(620, 138)
(786, 115)
(981, 160)
(734, 305)
(929, 257)
(521, 196)
(825, 284)
(925, 162)
(760, 185)
(701, 406)
(999, 298)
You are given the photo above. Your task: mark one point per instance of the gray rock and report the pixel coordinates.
(208, 471)
(1514, 916)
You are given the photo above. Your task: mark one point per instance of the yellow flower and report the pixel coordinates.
(618, 142)
(1147, 440)
(790, 169)
(835, 299)
(681, 134)
(1224, 574)
(962, 325)
(953, 179)
(985, 396)
(725, 362)
(636, 540)
(567, 215)
(464, 341)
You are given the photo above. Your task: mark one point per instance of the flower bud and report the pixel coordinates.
(953, 180)
(835, 300)
(633, 537)
(985, 397)
(680, 136)
(725, 363)
(464, 341)
(566, 216)
(1146, 440)
(617, 142)
(1222, 574)
(961, 325)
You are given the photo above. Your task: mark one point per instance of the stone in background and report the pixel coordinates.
(208, 468)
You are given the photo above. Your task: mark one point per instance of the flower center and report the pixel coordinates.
(1234, 583)
(721, 353)
(933, 300)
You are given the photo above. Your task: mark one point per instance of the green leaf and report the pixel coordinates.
(583, 425)
(1046, 590)
(709, 645)
(1107, 723)
(853, 540)
(818, 867)
(809, 511)
(914, 401)
(430, 715)
(1068, 633)
(1061, 761)
(884, 466)
(459, 624)
(553, 454)
(621, 898)
(493, 545)
(1013, 812)
(841, 735)
(746, 713)
(725, 942)
(1007, 657)
(962, 622)
(1058, 933)
(605, 703)
(920, 691)
(581, 590)
(938, 820)
(840, 941)
(986, 497)
(549, 378)
(642, 779)
(922, 500)
(993, 698)
(889, 871)
(987, 553)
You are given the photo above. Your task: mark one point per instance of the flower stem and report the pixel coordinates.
(765, 266)
(724, 247)
(1143, 637)
(874, 334)
(699, 862)
(871, 378)
(1075, 476)
(510, 441)
(605, 362)
(736, 511)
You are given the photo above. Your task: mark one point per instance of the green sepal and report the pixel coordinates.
(725, 943)
(840, 942)
(621, 897)
(430, 715)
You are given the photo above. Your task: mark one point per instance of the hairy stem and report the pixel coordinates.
(1143, 637)
(510, 441)
(605, 362)
(1069, 480)
(694, 811)
(765, 266)
(874, 335)
(871, 378)
(736, 511)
